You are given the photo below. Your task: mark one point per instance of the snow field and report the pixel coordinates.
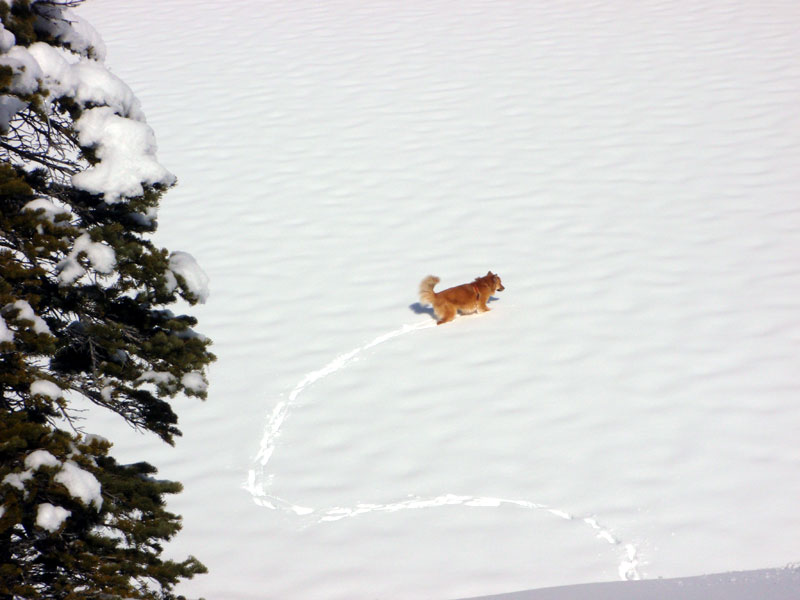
(628, 171)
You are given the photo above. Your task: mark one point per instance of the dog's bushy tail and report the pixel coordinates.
(426, 293)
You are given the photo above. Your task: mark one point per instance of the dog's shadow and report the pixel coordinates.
(420, 309)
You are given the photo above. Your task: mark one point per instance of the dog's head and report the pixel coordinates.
(495, 282)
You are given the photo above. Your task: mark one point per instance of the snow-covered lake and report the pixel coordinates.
(629, 407)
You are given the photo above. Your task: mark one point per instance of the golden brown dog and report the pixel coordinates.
(466, 298)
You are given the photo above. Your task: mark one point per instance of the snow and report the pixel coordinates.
(6, 335)
(194, 381)
(27, 71)
(113, 124)
(101, 256)
(93, 438)
(772, 584)
(99, 86)
(87, 81)
(26, 313)
(40, 458)
(184, 265)
(59, 75)
(163, 378)
(126, 149)
(18, 480)
(9, 106)
(7, 39)
(51, 517)
(73, 30)
(626, 409)
(106, 392)
(51, 210)
(69, 271)
(80, 484)
(46, 388)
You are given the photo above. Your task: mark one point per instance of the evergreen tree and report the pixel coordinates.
(83, 313)
(75, 524)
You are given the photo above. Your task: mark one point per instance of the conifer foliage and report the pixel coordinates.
(83, 317)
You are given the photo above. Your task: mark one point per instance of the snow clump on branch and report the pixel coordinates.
(183, 265)
(51, 517)
(112, 124)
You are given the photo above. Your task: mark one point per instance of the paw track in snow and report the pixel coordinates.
(258, 480)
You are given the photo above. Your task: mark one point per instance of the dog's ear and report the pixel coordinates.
(489, 274)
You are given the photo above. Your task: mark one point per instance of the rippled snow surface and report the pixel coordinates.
(629, 407)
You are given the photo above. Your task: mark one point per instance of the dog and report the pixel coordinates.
(466, 298)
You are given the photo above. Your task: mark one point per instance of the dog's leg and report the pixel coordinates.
(448, 314)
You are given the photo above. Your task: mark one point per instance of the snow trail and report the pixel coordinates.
(281, 411)
(258, 478)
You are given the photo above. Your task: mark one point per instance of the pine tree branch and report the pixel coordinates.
(49, 162)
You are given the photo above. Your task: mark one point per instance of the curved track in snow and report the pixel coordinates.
(257, 483)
